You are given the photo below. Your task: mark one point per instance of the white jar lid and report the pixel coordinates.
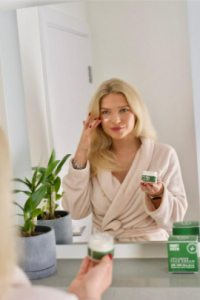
(101, 242)
(150, 173)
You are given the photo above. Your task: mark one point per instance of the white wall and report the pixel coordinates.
(194, 30)
(147, 44)
(33, 75)
(14, 113)
(14, 4)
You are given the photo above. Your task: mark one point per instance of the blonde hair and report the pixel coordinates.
(100, 154)
(7, 235)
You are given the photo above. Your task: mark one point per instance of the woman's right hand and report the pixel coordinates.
(93, 278)
(85, 140)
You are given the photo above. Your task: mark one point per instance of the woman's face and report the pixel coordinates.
(118, 120)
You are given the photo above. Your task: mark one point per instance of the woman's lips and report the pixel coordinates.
(117, 128)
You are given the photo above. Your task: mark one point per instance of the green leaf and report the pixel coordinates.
(58, 196)
(51, 168)
(29, 183)
(52, 157)
(49, 180)
(22, 181)
(28, 207)
(25, 192)
(28, 225)
(57, 184)
(41, 169)
(38, 195)
(59, 168)
(19, 205)
(34, 178)
(36, 212)
(42, 176)
(56, 206)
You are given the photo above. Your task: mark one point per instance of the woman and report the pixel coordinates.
(92, 280)
(117, 144)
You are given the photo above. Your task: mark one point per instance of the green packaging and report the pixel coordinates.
(149, 176)
(99, 245)
(183, 254)
(186, 228)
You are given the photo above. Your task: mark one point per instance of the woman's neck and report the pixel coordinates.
(127, 145)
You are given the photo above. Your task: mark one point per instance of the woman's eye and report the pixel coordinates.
(104, 112)
(124, 109)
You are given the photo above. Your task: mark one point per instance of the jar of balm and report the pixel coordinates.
(99, 245)
(149, 177)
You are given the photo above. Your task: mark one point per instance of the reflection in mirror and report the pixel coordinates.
(73, 48)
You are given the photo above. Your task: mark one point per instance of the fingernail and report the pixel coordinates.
(90, 126)
(95, 119)
(100, 118)
(89, 114)
(151, 185)
(110, 255)
(144, 184)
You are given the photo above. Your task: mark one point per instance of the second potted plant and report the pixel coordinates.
(60, 220)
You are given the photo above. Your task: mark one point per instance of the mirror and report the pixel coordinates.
(145, 43)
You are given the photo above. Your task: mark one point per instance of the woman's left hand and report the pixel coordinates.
(152, 189)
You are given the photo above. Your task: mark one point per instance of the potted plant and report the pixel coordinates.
(39, 257)
(60, 220)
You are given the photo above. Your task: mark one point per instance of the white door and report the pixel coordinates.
(67, 58)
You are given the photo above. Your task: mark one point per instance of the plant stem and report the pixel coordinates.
(52, 204)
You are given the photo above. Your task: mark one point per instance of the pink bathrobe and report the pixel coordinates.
(123, 210)
(22, 289)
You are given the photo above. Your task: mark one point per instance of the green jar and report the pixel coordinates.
(149, 177)
(99, 245)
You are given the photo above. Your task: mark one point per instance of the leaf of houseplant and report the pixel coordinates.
(29, 183)
(34, 178)
(42, 177)
(35, 199)
(25, 192)
(41, 169)
(62, 163)
(28, 207)
(57, 184)
(51, 168)
(52, 157)
(22, 181)
(38, 195)
(58, 196)
(36, 212)
(19, 205)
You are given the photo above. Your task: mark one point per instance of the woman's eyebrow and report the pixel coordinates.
(117, 107)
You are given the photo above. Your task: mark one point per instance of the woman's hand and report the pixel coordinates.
(92, 279)
(85, 140)
(154, 190)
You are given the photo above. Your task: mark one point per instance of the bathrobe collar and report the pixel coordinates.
(120, 194)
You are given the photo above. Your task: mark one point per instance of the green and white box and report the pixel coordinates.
(186, 228)
(183, 254)
(149, 177)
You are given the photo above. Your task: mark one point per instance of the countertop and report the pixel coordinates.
(133, 279)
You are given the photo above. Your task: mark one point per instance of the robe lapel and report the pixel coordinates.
(121, 194)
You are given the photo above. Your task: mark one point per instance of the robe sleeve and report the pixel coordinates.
(78, 188)
(174, 202)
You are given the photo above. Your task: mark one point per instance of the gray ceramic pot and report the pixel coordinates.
(39, 253)
(62, 227)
